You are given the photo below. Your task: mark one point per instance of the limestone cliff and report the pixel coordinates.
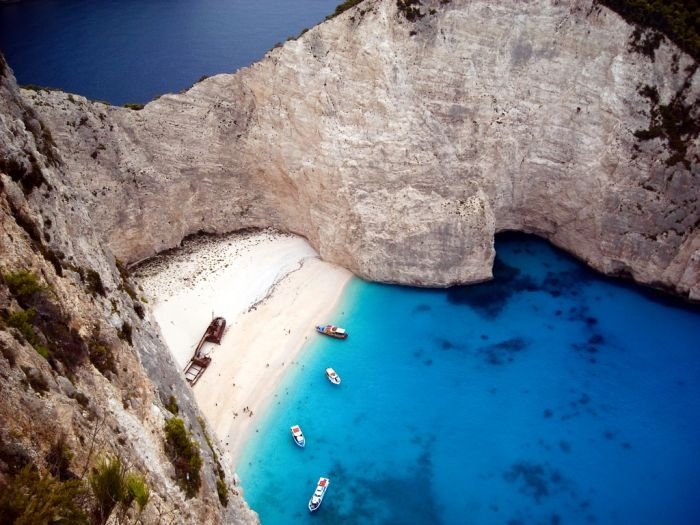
(83, 375)
(399, 140)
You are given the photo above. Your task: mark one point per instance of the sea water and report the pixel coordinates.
(549, 395)
(134, 50)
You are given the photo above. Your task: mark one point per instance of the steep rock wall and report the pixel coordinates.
(92, 395)
(399, 147)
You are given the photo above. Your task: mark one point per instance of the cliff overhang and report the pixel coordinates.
(400, 137)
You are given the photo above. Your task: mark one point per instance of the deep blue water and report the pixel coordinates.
(134, 50)
(550, 395)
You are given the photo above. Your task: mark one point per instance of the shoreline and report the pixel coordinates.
(271, 288)
(274, 335)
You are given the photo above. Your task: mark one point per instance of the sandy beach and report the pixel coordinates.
(271, 288)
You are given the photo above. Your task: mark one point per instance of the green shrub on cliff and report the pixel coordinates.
(101, 356)
(172, 406)
(43, 323)
(222, 491)
(348, 4)
(22, 321)
(679, 20)
(125, 333)
(221, 487)
(410, 9)
(137, 490)
(106, 482)
(113, 485)
(183, 452)
(94, 283)
(675, 122)
(22, 284)
(29, 498)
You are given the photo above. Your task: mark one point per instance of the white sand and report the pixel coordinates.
(271, 288)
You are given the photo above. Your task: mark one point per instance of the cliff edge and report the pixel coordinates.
(399, 140)
(399, 137)
(98, 425)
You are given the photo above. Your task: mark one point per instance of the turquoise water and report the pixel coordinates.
(550, 395)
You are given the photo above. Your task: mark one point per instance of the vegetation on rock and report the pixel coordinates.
(35, 379)
(22, 284)
(138, 308)
(126, 285)
(125, 333)
(36, 87)
(101, 356)
(341, 8)
(94, 283)
(25, 221)
(410, 9)
(28, 499)
(112, 485)
(677, 122)
(43, 323)
(221, 487)
(58, 459)
(679, 20)
(222, 491)
(22, 321)
(172, 406)
(30, 177)
(183, 452)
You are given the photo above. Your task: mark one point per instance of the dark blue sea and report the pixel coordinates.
(134, 50)
(548, 396)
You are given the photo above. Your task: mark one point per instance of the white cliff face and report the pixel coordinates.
(400, 148)
(104, 404)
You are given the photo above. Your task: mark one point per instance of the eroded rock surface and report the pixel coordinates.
(400, 147)
(84, 375)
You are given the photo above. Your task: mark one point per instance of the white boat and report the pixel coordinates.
(298, 436)
(317, 498)
(332, 331)
(332, 376)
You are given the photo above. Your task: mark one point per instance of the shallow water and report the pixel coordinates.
(132, 50)
(549, 395)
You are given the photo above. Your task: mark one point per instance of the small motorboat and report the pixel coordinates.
(332, 376)
(298, 436)
(317, 498)
(332, 331)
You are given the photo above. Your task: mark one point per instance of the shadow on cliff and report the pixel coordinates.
(490, 298)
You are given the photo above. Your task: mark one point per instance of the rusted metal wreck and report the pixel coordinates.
(199, 362)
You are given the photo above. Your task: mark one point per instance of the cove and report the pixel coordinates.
(549, 395)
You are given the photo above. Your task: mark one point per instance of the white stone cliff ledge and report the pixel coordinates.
(400, 148)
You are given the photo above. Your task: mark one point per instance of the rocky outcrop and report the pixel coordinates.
(83, 373)
(399, 140)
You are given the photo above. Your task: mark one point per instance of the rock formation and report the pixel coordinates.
(83, 374)
(399, 146)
